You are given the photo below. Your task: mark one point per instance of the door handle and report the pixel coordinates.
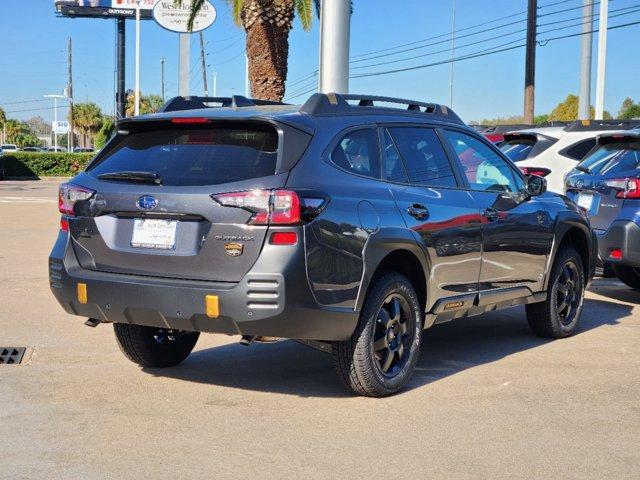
(418, 211)
(491, 214)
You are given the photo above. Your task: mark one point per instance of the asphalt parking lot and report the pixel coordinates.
(489, 400)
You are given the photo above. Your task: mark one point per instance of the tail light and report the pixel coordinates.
(269, 207)
(537, 171)
(627, 187)
(68, 195)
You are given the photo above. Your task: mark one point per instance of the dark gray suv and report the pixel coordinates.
(343, 223)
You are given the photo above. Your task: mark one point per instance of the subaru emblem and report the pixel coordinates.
(580, 183)
(147, 202)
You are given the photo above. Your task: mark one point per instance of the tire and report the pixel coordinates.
(630, 276)
(154, 347)
(558, 315)
(381, 355)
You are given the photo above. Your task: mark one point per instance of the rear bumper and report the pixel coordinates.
(278, 303)
(623, 235)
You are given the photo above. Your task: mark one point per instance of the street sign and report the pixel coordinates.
(175, 17)
(60, 127)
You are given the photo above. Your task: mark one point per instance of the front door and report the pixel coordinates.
(442, 214)
(517, 231)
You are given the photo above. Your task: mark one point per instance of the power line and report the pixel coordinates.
(568, 9)
(25, 101)
(483, 53)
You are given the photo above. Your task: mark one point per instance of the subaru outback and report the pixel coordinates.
(350, 223)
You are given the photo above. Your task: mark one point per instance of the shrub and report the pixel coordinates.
(37, 164)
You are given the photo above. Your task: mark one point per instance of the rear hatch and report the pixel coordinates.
(156, 209)
(606, 179)
(522, 146)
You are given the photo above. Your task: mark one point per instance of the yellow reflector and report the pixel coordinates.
(82, 292)
(212, 306)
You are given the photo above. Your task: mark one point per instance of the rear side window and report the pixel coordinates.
(614, 158)
(393, 168)
(577, 151)
(517, 149)
(187, 155)
(358, 152)
(423, 156)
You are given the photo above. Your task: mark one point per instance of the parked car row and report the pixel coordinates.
(341, 223)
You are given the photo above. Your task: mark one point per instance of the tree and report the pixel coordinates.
(267, 24)
(105, 132)
(148, 104)
(567, 111)
(3, 119)
(629, 109)
(87, 119)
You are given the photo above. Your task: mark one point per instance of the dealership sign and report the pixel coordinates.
(175, 17)
(60, 127)
(104, 8)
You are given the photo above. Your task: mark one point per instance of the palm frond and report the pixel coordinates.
(304, 9)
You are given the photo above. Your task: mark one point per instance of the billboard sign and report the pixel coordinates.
(104, 8)
(60, 127)
(176, 17)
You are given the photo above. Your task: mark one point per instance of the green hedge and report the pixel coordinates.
(37, 164)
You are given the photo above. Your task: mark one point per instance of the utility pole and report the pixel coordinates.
(453, 48)
(602, 58)
(530, 62)
(584, 99)
(162, 76)
(70, 96)
(247, 82)
(184, 65)
(120, 66)
(215, 84)
(203, 59)
(335, 26)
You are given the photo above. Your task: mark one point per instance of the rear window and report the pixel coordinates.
(614, 157)
(577, 151)
(517, 149)
(187, 155)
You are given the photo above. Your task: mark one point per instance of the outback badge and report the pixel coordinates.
(234, 249)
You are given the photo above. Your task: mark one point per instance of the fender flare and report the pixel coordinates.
(566, 221)
(380, 244)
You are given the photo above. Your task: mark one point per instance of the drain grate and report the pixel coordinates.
(11, 355)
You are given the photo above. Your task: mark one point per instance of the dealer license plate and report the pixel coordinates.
(585, 201)
(154, 233)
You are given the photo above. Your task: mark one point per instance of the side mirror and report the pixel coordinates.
(535, 185)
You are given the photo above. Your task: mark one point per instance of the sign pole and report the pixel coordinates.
(185, 47)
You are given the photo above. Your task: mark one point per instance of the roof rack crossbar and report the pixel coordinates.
(193, 103)
(334, 103)
(593, 125)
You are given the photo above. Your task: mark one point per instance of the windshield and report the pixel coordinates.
(614, 157)
(194, 155)
(517, 149)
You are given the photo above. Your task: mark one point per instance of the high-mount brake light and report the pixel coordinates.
(269, 207)
(189, 120)
(627, 187)
(537, 171)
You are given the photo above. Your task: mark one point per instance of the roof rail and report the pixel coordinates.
(594, 125)
(335, 103)
(193, 103)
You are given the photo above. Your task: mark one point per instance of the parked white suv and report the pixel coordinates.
(552, 152)
(9, 148)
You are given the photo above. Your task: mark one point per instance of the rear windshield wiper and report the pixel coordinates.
(583, 169)
(137, 177)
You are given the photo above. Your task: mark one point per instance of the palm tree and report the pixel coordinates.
(3, 120)
(148, 104)
(267, 24)
(87, 119)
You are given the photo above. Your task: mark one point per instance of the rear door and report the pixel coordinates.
(605, 179)
(175, 227)
(435, 207)
(516, 231)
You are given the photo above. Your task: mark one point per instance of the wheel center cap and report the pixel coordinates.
(391, 335)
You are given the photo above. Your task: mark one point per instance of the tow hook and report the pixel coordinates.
(92, 322)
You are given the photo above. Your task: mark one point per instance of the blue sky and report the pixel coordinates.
(34, 56)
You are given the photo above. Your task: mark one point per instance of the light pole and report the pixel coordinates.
(215, 84)
(137, 75)
(55, 118)
(453, 48)
(162, 75)
(335, 26)
(602, 58)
